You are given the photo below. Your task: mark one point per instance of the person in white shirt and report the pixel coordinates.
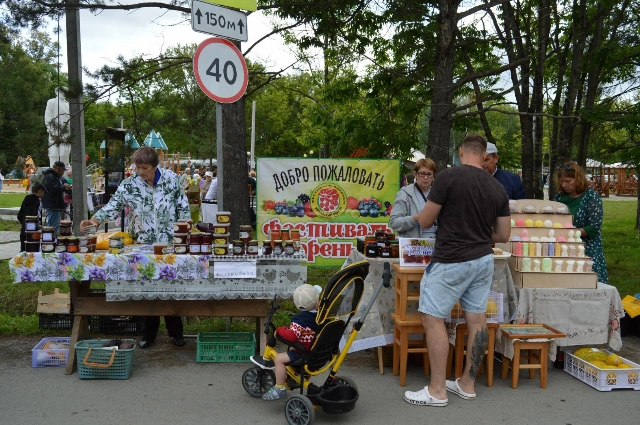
(212, 193)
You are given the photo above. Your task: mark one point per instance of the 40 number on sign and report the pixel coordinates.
(220, 70)
(214, 71)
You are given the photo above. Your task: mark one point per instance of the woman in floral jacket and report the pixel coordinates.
(156, 200)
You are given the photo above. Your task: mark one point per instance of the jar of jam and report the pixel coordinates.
(267, 249)
(65, 228)
(245, 233)
(371, 250)
(72, 244)
(395, 248)
(206, 248)
(288, 247)
(385, 252)
(389, 236)
(369, 239)
(381, 239)
(61, 246)
(295, 237)
(285, 234)
(31, 223)
(48, 234)
(180, 249)
(205, 239)
(277, 247)
(252, 247)
(238, 247)
(275, 235)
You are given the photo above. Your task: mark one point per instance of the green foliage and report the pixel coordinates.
(9, 225)
(621, 245)
(27, 78)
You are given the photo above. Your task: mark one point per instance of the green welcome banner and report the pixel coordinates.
(331, 201)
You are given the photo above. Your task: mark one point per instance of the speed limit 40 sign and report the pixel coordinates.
(220, 70)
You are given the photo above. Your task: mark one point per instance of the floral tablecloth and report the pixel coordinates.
(275, 275)
(377, 329)
(39, 267)
(587, 316)
(136, 275)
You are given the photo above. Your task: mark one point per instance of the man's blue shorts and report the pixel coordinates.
(446, 283)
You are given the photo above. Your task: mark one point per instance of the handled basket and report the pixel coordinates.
(96, 362)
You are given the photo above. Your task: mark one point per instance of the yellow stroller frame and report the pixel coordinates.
(340, 298)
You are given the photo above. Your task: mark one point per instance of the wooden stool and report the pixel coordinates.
(532, 347)
(402, 346)
(404, 275)
(460, 350)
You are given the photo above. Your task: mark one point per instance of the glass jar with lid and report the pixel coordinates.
(288, 247)
(245, 233)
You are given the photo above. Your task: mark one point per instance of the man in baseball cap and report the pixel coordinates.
(511, 182)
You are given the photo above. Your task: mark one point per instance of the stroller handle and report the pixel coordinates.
(386, 275)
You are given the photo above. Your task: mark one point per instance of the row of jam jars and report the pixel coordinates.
(285, 234)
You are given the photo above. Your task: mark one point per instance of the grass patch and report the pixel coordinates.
(621, 245)
(9, 225)
(10, 200)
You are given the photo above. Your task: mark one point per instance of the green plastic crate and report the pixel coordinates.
(100, 357)
(223, 347)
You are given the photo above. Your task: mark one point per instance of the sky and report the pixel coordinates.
(150, 32)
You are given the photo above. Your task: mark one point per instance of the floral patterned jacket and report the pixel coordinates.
(152, 210)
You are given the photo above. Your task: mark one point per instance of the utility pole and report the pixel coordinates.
(76, 107)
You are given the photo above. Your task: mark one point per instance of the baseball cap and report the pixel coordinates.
(60, 164)
(208, 174)
(305, 297)
(491, 148)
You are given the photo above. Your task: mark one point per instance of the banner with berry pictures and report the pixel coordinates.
(331, 201)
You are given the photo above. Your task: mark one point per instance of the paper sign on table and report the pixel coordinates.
(234, 270)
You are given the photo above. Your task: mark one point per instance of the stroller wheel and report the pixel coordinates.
(299, 410)
(345, 380)
(257, 381)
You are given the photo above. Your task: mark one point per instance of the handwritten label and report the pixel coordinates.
(234, 270)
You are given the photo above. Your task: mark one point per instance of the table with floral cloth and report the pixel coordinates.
(40, 267)
(377, 329)
(587, 316)
(139, 275)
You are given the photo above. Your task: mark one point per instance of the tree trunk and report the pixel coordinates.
(442, 102)
(235, 171)
(537, 101)
(578, 36)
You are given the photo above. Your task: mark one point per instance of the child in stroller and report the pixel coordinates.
(302, 329)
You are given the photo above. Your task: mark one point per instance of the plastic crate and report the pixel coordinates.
(50, 352)
(63, 321)
(603, 379)
(96, 363)
(55, 321)
(220, 347)
(496, 315)
(121, 325)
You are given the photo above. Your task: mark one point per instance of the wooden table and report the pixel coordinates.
(87, 304)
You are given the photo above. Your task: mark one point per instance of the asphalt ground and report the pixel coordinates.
(167, 386)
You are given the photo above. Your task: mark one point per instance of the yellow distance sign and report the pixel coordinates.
(250, 5)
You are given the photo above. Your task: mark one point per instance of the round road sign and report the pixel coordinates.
(220, 70)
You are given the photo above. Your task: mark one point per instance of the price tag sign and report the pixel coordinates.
(234, 270)
(220, 70)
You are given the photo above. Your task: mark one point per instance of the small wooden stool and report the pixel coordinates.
(404, 275)
(536, 350)
(460, 350)
(402, 346)
(530, 337)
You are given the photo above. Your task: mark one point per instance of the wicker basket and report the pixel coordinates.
(96, 362)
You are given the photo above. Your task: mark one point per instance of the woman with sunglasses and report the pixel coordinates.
(585, 205)
(411, 199)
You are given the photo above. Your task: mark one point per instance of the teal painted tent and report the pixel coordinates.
(155, 141)
(166, 148)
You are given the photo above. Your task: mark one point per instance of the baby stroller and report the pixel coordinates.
(338, 303)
